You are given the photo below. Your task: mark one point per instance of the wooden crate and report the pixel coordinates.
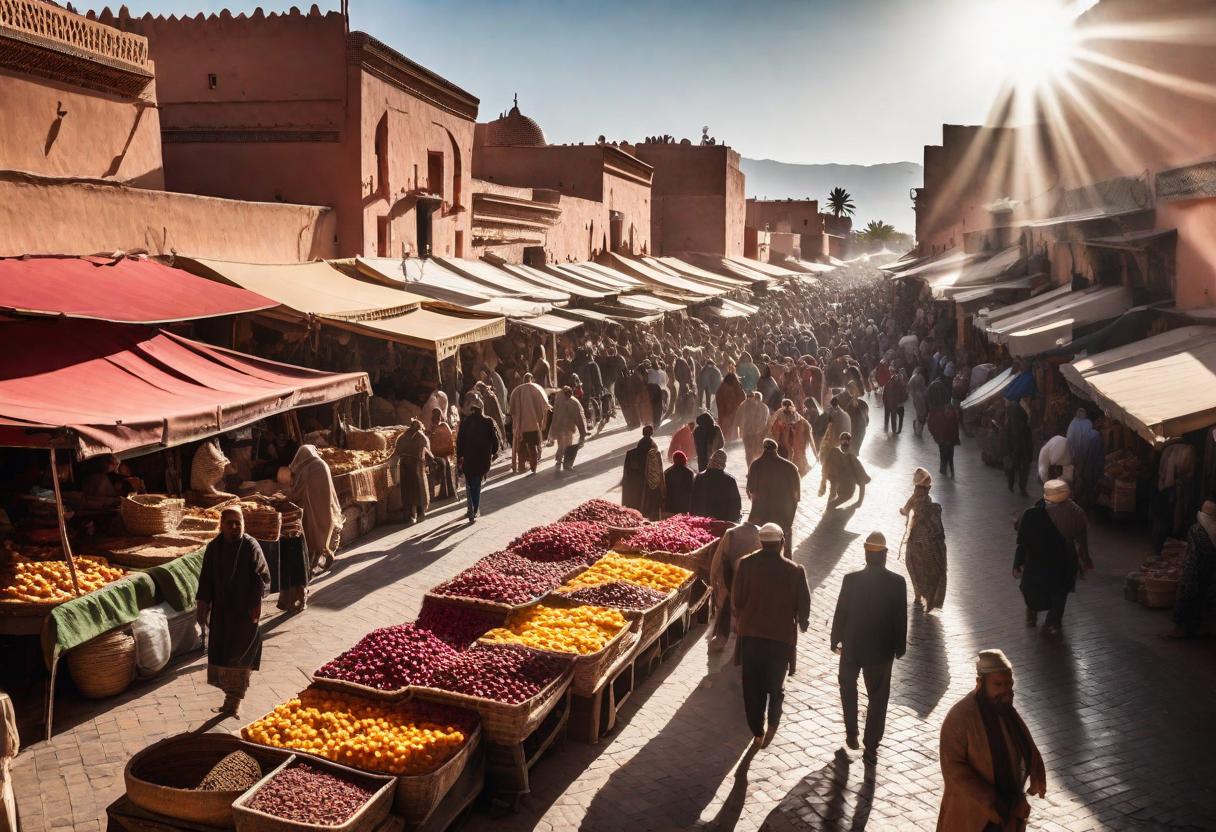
(508, 767)
(594, 717)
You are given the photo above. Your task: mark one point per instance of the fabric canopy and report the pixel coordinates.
(674, 265)
(432, 279)
(722, 265)
(1133, 240)
(323, 292)
(123, 290)
(554, 280)
(661, 279)
(1162, 387)
(502, 282)
(989, 390)
(649, 303)
(1051, 323)
(950, 282)
(111, 388)
(763, 268)
(555, 324)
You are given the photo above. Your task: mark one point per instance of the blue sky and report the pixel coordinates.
(848, 81)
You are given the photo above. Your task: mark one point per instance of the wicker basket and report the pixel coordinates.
(504, 723)
(1159, 593)
(365, 819)
(365, 691)
(163, 778)
(199, 525)
(417, 797)
(152, 551)
(263, 523)
(148, 515)
(104, 666)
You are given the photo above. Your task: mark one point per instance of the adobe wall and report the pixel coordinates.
(414, 129)
(633, 200)
(1195, 255)
(736, 209)
(59, 129)
(698, 198)
(580, 235)
(574, 170)
(798, 216)
(41, 215)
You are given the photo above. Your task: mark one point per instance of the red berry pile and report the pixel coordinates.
(681, 533)
(455, 625)
(308, 795)
(563, 541)
(602, 511)
(500, 672)
(482, 582)
(391, 658)
(619, 594)
(512, 563)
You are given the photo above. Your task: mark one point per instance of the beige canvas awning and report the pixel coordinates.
(1051, 323)
(662, 279)
(1162, 387)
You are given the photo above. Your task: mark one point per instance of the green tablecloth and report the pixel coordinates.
(74, 622)
(177, 580)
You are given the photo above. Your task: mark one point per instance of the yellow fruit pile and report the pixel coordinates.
(642, 571)
(583, 630)
(359, 733)
(50, 581)
(344, 460)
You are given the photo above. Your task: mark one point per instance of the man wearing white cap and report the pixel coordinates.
(771, 601)
(987, 755)
(1052, 547)
(869, 631)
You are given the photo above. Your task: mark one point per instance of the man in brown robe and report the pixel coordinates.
(774, 487)
(231, 585)
(987, 755)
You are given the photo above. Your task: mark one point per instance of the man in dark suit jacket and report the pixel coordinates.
(871, 623)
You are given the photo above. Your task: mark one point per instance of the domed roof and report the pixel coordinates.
(514, 129)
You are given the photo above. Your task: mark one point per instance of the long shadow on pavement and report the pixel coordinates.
(824, 800)
(925, 675)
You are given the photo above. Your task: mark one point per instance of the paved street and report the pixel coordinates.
(1124, 718)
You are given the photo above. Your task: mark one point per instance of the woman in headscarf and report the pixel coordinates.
(707, 437)
(1085, 448)
(678, 483)
(926, 540)
(792, 433)
(642, 485)
(443, 452)
(414, 455)
(312, 489)
(728, 398)
(715, 493)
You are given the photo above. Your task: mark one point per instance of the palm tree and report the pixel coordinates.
(840, 203)
(877, 231)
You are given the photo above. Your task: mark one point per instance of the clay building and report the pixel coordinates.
(295, 108)
(603, 191)
(795, 226)
(697, 198)
(81, 168)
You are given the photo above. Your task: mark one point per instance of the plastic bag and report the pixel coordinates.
(152, 643)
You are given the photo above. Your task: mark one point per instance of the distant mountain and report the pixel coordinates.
(879, 191)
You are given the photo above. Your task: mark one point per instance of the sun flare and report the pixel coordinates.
(1028, 44)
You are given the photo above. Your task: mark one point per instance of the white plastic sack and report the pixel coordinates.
(152, 643)
(183, 631)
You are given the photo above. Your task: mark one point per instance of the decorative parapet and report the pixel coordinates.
(40, 39)
(1195, 181)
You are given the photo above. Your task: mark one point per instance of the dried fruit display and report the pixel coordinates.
(409, 739)
(583, 629)
(306, 794)
(636, 569)
(563, 541)
(484, 583)
(50, 581)
(500, 672)
(608, 513)
(391, 658)
(344, 460)
(621, 595)
(455, 625)
(682, 533)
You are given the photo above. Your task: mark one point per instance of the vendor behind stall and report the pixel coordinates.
(312, 489)
(110, 481)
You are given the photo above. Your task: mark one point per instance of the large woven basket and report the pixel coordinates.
(504, 723)
(104, 666)
(365, 819)
(148, 515)
(417, 797)
(163, 778)
(153, 551)
(263, 523)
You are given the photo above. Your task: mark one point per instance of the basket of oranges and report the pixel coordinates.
(425, 745)
(29, 586)
(600, 638)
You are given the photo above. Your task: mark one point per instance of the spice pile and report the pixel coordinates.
(634, 569)
(308, 795)
(582, 630)
(233, 773)
(681, 534)
(619, 594)
(50, 581)
(407, 740)
(610, 514)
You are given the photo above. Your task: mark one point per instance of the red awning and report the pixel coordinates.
(99, 387)
(123, 290)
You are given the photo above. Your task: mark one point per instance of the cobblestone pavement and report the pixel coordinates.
(1124, 719)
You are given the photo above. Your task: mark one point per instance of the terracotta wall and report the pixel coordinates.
(42, 215)
(800, 216)
(575, 170)
(698, 198)
(414, 129)
(1195, 252)
(59, 129)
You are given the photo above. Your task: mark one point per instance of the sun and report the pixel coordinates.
(1027, 44)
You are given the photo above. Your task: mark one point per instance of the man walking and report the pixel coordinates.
(987, 755)
(476, 447)
(568, 419)
(752, 419)
(844, 473)
(894, 397)
(771, 598)
(869, 632)
(1052, 548)
(708, 382)
(528, 406)
(774, 487)
(233, 581)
